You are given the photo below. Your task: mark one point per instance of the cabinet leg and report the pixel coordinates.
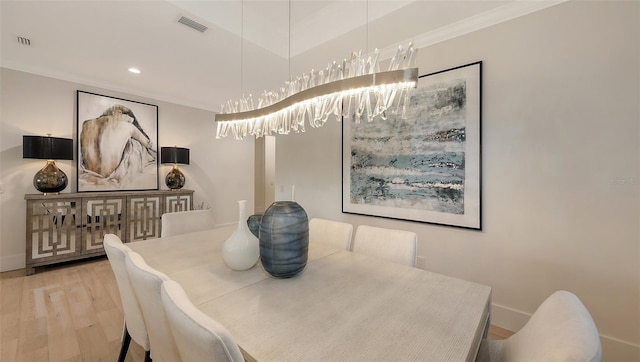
(30, 270)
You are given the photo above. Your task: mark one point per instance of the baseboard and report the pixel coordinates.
(508, 318)
(225, 225)
(11, 262)
(613, 349)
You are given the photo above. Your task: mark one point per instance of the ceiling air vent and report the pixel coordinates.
(192, 24)
(24, 41)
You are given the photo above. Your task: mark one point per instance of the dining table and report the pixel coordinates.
(344, 306)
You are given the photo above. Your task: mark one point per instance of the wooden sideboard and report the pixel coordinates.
(71, 226)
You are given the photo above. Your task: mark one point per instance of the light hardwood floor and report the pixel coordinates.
(65, 313)
(70, 313)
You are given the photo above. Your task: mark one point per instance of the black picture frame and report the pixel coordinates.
(426, 167)
(117, 144)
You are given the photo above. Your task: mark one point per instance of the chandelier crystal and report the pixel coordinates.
(351, 89)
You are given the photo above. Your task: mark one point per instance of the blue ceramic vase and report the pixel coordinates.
(284, 239)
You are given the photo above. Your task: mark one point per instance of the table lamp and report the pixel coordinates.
(50, 179)
(175, 177)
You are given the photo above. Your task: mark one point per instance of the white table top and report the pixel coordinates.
(343, 307)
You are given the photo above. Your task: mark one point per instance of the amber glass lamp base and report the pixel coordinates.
(175, 179)
(50, 179)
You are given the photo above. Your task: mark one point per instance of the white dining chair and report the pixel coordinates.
(197, 336)
(334, 233)
(147, 283)
(398, 246)
(561, 329)
(134, 327)
(182, 222)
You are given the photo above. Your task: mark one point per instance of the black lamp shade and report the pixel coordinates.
(50, 179)
(174, 155)
(47, 148)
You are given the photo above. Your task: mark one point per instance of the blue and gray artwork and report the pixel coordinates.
(417, 162)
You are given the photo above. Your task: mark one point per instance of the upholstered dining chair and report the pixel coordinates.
(134, 327)
(182, 222)
(197, 336)
(561, 329)
(334, 233)
(398, 246)
(147, 283)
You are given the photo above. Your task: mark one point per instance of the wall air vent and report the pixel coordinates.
(192, 24)
(24, 41)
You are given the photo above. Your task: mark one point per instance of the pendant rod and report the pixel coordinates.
(289, 39)
(242, 49)
(367, 24)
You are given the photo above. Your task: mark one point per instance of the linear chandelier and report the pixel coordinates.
(351, 89)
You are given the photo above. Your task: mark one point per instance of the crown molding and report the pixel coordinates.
(498, 15)
(67, 77)
(477, 22)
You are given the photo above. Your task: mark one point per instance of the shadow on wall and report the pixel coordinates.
(198, 179)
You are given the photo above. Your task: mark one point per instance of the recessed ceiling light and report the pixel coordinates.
(134, 70)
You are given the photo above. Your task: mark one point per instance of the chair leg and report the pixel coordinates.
(147, 356)
(126, 340)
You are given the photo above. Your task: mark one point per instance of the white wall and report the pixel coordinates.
(560, 163)
(220, 170)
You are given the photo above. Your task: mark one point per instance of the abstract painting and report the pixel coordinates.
(424, 166)
(117, 144)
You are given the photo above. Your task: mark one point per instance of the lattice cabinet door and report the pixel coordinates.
(53, 231)
(71, 226)
(144, 214)
(181, 201)
(100, 216)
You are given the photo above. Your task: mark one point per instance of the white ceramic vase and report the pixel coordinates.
(242, 250)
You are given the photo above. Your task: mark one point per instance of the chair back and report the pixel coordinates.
(117, 253)
(398, 246)
(147, 283)
(561, 329)
(182, 222)
(197, 336)
(334, 233)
